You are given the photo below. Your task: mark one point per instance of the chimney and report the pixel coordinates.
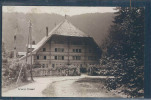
(46, 31)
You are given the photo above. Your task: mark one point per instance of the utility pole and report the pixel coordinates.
(27, 49)
(15, 47)
(26, 57)
(30, 42)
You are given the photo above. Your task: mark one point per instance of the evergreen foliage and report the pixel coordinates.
(124, 51)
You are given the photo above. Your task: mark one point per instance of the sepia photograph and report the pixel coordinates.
(72, 51)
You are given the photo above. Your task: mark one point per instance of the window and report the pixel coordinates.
(53, 65)
(59, 57)
(62, 57)
(37, 57)
(55, 57)
(77, 50)
(44, 49)
(55, 49)
(59, 49)
(45, 57)
(76, 57)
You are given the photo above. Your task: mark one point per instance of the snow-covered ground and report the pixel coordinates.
(62, 85)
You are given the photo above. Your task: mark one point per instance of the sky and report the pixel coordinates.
(70, 11)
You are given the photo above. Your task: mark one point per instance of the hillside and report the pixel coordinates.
(96, 25)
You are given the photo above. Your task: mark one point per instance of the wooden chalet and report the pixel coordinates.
(63, 46)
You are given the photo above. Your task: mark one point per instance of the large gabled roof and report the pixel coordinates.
(64, 28)
(67, 29)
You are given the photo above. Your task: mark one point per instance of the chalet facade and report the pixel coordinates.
(65, 47)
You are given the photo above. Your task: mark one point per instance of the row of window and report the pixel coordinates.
(77, 50)
(59, 57)
(62, 50)
(62, 57)
(59, 49)
(44, 57)
(76, 57)
(73, 57)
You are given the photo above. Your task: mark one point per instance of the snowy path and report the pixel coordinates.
(63, 87)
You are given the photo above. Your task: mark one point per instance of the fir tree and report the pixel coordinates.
(126, 49)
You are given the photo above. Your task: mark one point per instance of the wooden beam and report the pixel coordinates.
(30, 34)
